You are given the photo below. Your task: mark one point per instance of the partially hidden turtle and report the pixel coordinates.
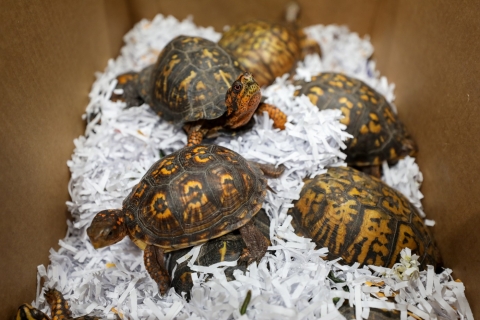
(267, 49)
(228, 247)
(197, 83)
(378, 134)
(187, 198)
(361, 219)
(60, 310)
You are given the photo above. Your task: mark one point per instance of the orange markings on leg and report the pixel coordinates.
(279, 118)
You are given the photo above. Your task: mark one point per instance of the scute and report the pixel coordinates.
(164, 170)
(195, 201)
(342, 210)
(198, 158)
(226, 187)
(157, 214)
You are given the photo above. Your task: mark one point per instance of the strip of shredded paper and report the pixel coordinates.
(291, 281)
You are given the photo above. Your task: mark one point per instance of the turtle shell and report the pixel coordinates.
(190, 80)
(193, 195)
(228, 247)
(267, 50)
(378, 134)
(361, 219)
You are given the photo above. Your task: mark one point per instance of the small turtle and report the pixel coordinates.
(193, 82)
(228, 247)
(361, 219)
(378, 134)
(269, 50)
(187, 198)
(58, 305)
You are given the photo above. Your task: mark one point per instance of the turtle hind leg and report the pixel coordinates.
(154, 260)
(255, 241)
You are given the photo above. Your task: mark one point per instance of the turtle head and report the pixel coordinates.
(108, 227)
(242, 100)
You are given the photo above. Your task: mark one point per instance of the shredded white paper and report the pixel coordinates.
(291, 281)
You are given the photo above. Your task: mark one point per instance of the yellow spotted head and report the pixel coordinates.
(242, 100)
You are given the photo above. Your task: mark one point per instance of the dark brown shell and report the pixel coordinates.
(193, 195)
(228, 247)
(378, 133)
(361, 219)
(267, 50)
(190, 80)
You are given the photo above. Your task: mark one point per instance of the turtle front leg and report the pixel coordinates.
(195, 133)
(256, 242)
(154, 260)
(279, 118)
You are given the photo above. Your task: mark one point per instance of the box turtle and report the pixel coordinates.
(187, 198)
(228, 247)
(196, 82)
(58, 305)
(269, 50)
(378, 134)
(361, 219)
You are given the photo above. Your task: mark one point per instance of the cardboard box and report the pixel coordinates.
(49, 51)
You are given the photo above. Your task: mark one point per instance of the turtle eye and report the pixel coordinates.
(237, 86)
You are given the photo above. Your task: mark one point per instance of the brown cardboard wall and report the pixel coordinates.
(358, 14)
(49, 51)
(431, 53)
